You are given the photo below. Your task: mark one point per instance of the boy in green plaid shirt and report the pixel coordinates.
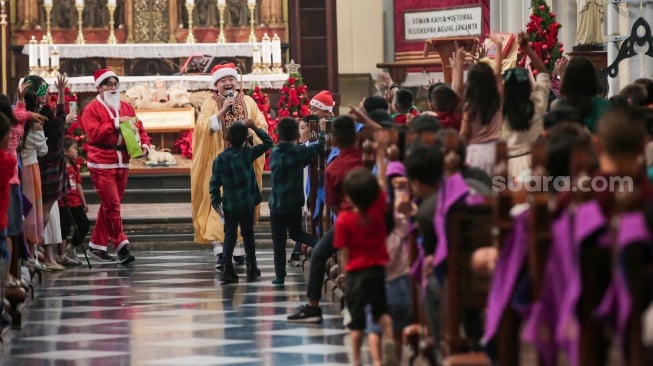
(287, 163)
(233, 172)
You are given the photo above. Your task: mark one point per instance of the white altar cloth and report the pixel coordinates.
(151, 50)
(85, 84)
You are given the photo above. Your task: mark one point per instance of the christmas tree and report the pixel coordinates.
(293, 101)
(542, 30)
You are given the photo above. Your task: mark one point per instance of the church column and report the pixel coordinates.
(129, 19)
(613, 46)
(173, 20)
(566, 14)
(495, 16)
(647, 67)
(4, 46)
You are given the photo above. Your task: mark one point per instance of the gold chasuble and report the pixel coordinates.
(207, 145)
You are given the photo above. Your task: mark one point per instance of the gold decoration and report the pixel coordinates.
(80, 35)
(191, 37)
(292, 68)
(112, 35)
(252, 35)
(48, 22)
(221, 37)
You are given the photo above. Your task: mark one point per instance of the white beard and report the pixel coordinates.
(112, 99)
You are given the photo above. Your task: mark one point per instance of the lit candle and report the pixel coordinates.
(54, 58)
(79, 2)
(111, 3)
(251, 2)
(256, 56)
(33, 52)
(276, 50)
(222, 2)
(44, 53)
(266, 50)
(47, 2)
(190, 2)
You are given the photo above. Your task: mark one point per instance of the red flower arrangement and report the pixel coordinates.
(184, 145)
(542, 30)
(263, 104)
(293, 101)
(69, 96)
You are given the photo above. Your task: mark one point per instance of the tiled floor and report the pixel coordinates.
(170, 309)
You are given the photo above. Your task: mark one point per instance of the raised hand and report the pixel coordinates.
(250, 123)
(61, 82)
(523, 40)
(356, 113)
(22, 88)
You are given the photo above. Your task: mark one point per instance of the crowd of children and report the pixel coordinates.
(41, 189)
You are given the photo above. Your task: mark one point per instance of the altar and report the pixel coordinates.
(85, 84)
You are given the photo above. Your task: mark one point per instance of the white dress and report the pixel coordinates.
(52, 233)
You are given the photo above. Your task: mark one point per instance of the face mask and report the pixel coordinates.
(112, 99)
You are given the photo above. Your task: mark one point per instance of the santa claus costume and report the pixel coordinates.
(108, 163)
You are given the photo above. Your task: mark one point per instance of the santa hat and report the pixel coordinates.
(101, 75)
(323, 101)
(220, 71)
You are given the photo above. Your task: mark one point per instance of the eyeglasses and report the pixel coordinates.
(112, 85)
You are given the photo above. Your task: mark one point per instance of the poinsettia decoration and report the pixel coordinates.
(184, 145)
(293, 101)
(542, 29)
(76, 132)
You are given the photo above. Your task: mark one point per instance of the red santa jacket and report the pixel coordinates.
(106, 148)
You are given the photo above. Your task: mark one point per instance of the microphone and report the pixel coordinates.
(230, 94)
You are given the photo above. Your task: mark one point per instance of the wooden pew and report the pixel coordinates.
(595, 269)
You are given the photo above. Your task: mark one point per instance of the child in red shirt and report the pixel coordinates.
(7, 169)
(361, 234)
(72, 206)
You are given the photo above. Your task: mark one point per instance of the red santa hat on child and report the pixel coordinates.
(101, 75)
(323, 101)
(220, 71)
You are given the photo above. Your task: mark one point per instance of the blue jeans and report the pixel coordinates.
(232, 220)
(282, 225)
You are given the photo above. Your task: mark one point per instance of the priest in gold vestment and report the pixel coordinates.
(225, 106)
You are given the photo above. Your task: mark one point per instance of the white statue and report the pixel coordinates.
(589, 29)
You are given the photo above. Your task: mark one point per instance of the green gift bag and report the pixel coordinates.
(130, 135)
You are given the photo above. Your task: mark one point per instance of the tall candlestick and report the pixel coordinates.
(190, 4)
(266, 51)
(47, 5)
(276, 50)
(276, 55)
(54, 62)
(44, 54)
(256, 60)
(221, 6)
(79, 5)
(33, 50)
(111, 5)
(251, 5)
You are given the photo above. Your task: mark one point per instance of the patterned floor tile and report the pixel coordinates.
(75, 337)
(202, 361)
(196, 342)
(73, 355)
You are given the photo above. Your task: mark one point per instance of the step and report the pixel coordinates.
(160, 188)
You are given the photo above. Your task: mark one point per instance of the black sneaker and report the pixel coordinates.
(100, 255)
(124, 257)
(219, 263)
(306, 314)
(239, 259)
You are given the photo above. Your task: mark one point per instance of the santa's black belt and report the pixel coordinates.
(110, 147)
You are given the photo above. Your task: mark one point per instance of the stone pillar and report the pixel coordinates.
(495, 16)
(647, 67)
(566, 14)
(5, 38)
(612, 13)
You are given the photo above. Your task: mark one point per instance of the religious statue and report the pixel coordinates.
(160, 94)
(591, 14)
(64, 14)
(237, 13)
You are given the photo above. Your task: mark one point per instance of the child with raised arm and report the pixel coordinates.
(361, 235)
(287, 164)
(234, 174)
